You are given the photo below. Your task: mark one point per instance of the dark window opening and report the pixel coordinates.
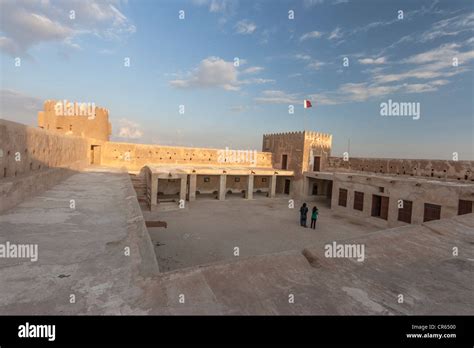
(432, 212)
(358, 200)
(287, 186)
(284, 161)
(404, 214)
(465, 207)
(342, 197)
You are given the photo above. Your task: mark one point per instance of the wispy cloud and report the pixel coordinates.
(379, 60)
(311, 35)
(253, 70)
(245, 27)
(420, 73)
(277, 97)
(315, 64)
(310, 62)
(335, 34)
(311, 3)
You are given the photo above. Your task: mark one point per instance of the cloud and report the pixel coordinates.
(380, 60)
(432, 64)
(19, 107)
(252, 70)
(211, 72)
(245, 27)
(449, 27)
(216, 6)
(315, 65)
(30, 23)
(335, 34)
(238, 108)
(277, 97)
(312, 64)
(420, 73)
(224, 8)
(302, 56)
(214, 72)
(311, 35)
(311, 3)
(129, 129)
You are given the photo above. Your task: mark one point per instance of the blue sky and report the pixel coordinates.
(282, 61)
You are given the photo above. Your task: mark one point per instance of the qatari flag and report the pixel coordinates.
(307, 104)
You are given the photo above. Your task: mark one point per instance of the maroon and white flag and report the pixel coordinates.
(307, 104)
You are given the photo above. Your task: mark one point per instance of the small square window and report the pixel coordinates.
(264, 179)
(237, 179)
(207, 179)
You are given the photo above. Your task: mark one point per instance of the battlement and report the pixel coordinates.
(313, 134)
(284, 134)
(325, 137)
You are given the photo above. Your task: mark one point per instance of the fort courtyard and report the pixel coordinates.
(128, 228)
(209, 231)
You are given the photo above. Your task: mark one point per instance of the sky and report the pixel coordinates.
(237, 67)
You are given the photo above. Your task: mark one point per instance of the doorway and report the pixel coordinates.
(316, 164)
(95, 154)
(314, 192)
(287, 186)
(380, 206)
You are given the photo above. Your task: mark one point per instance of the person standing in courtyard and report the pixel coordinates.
(303, 214)
(314, 217)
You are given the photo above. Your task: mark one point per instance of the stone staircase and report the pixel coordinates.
(139, 184)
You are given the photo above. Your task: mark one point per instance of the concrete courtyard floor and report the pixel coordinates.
(207, 231)
(82, 252)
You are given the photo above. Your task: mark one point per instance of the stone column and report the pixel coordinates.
(305, 187)
(154, 189)
(192, 187)
(273, 184)
(249, 192)
(222, 187)
(182, 190)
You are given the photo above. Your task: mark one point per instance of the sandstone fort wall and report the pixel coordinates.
(32, 160)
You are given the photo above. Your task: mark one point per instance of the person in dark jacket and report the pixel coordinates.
(314, 217)
(303, 214)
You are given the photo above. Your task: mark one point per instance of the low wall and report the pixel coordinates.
(440, 169)
(136, 156)
(33, 160)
